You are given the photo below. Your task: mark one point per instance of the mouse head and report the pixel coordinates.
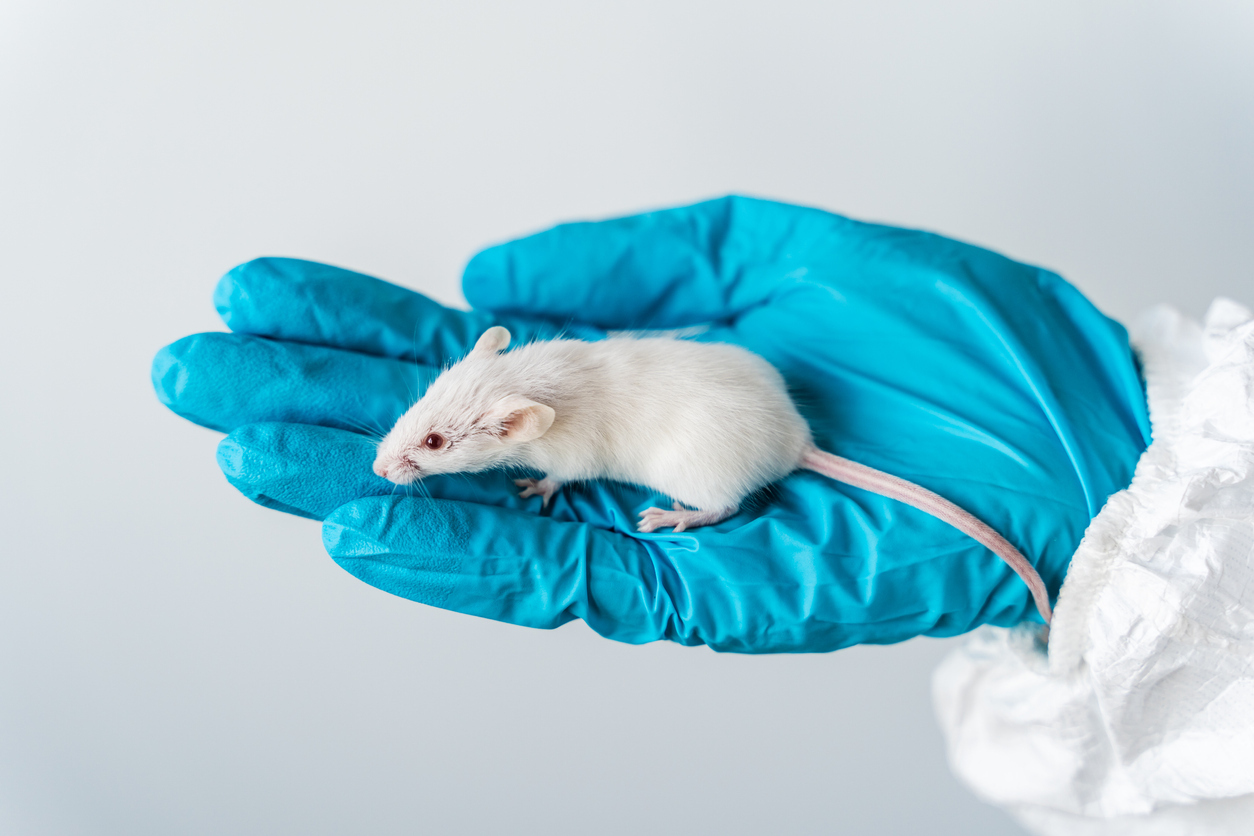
(469, 419)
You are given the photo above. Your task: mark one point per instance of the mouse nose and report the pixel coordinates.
(381, 469)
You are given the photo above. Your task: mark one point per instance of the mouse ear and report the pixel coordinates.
(517, 419)
(493, 340)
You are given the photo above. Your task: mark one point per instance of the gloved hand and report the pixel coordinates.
(992, 383)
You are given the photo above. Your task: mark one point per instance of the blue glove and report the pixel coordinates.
(995, 384)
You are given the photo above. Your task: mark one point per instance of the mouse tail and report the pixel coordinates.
(884, 484)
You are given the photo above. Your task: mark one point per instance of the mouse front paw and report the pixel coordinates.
(543, 488)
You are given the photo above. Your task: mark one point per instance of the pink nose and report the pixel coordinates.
(381, 470)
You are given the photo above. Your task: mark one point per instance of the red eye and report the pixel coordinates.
(434, 441)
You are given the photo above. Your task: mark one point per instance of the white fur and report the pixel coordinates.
(705, 423)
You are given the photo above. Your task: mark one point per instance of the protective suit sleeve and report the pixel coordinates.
(1141, 717)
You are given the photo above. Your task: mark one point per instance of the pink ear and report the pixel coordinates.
(493, 340)
(521, 419)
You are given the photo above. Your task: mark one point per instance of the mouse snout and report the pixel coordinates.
(397, 470)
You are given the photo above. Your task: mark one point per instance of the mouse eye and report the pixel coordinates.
(434, 441)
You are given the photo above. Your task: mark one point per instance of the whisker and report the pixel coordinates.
(364, 421)
(412, 390)
(361, 428)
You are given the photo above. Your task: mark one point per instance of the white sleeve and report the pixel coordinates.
(1140, 719)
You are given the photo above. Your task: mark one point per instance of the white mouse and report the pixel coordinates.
(707, 424)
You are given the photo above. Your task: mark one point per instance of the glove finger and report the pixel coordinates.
(309, 302)
(222, 381)
(310, 471)
(671, 268)
(506, 565)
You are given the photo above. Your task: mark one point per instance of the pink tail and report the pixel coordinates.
(868, 478)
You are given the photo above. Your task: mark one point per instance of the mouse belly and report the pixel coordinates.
(714, 484)
(700, 491)
(710, 480)
(709, 496)
(679, 518)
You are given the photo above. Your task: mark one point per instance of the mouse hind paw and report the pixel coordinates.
(681, 518)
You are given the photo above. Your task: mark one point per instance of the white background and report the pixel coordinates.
(175, 660)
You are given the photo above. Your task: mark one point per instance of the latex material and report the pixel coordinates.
(1143, 710)
(995, 384)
